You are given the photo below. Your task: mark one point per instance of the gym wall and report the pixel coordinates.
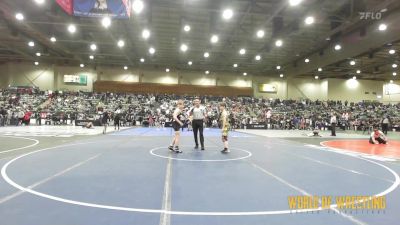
(307, 89)
(28, 75)
(391, 93)
(325, 89)
(4, 77)
(354, 90)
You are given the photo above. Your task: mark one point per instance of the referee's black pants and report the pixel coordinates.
(198, 126)
(385, 128)
(333, 129)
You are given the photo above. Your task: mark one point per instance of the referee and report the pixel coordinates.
(198, 113)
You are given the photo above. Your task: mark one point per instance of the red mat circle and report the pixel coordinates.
(390, 150)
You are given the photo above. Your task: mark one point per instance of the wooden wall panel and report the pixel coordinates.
(178, 89)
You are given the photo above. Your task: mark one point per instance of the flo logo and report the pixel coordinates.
(370, 15)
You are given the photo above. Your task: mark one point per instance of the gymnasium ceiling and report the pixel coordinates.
(335, 22)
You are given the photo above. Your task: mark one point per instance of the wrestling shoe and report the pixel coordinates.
(225, 150)
(171, 148)
(176, 150)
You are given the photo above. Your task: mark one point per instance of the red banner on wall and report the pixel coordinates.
(66, 5)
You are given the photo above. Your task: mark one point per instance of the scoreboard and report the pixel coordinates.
(75, 79)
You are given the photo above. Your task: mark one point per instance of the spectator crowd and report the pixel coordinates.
(61, 108)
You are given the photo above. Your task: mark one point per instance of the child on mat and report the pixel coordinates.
(315, 133)
(176, 125)
(224, 126)
(378, 137)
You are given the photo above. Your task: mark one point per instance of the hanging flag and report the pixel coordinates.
(66, 5)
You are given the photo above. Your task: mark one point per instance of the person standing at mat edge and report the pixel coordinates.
(176, 125)
(117, 118)
(224, 126)
(104, 121)
(333, 124)
(198, 114)
(385, 124)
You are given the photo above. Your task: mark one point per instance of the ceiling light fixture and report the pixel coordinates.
(294, 2)
(93, 47)
(121, 43)
(184, 47)
(39, 2)
(258, 57)
(186, 28)
(19, 16)
(278, 43)
(206, 54)
(260, 33)
(382, 27)
(227, 14)
(152, 50)
(53, 39)
(137, 6)
(71, 28)
(338, 47)
(214, 38)
(106, 22)
(309, 20)
(145, 33)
